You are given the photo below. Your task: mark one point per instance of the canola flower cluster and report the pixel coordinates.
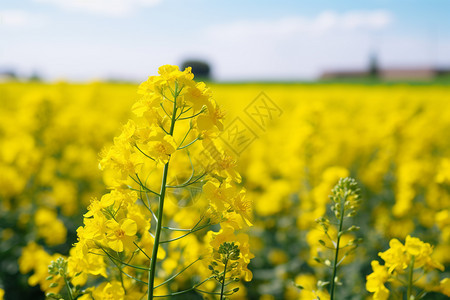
(46, 159)
(38, 158)
(387, 137)
(409, 263)
(390, 138)
(177, 121)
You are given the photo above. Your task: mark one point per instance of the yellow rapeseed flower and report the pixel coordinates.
(376, 280)
(120, 235)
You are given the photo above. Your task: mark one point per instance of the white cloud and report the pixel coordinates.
(324, 23)
(19, 19)
(296, 46)
(375, 20)
(116, 8)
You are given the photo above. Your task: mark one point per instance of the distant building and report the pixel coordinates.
(408, 74)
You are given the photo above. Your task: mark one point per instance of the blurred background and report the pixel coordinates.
(290, 40)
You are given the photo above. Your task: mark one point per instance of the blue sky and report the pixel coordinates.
(243, 40)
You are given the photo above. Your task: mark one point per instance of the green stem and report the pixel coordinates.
(223, 281)
(185, 291)
(68, 287)
(175, 276)
(410, 278)
(186, 234)
(118, 260)
(196, 139)
(162, 194)
(121, 278)
(341, 221)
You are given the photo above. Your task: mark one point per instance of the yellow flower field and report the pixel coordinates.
(282, 148)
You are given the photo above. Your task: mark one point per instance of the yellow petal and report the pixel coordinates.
(129, 226)
(116, 245)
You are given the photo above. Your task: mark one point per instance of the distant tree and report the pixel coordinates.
(374, 70)
(35, 77)
(201, 69)
(11, 74)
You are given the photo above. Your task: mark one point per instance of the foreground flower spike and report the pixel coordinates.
(226, 260)
(135, 241)
(405, 267)
(345, 197)
(230, 256)
(58, 272)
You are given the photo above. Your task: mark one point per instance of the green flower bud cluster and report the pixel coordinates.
(224, 266)
(58, 275)
(346, 197)
(345, 201)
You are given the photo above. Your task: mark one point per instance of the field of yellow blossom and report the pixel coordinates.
(286, 145)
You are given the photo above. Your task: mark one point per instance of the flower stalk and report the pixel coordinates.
(336, 257)
(162, 193)
(410, 277)
(223, 280)
(345, 197)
